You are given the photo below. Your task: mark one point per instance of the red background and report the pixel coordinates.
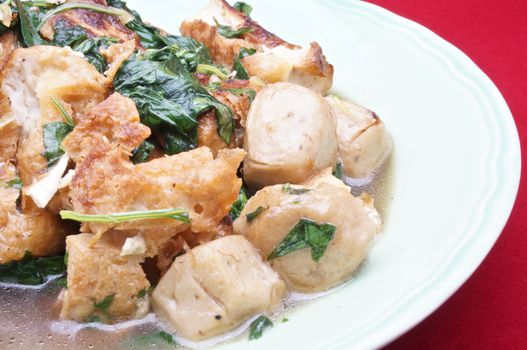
(490, 310)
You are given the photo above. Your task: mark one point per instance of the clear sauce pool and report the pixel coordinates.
(29, 315)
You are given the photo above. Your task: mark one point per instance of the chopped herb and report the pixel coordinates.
(66, 256)
(154, 338)
(176, 214)
(231, 33)
(15, 183)
(170, 99)
(67, 117)
(244, 8)
(306, 233)
(28, 25)
(144, 292)
(258, 326)
(61, 282)
(54, 133)
(211, 70)
(286, 188)
(103, 305)
(339, 170)
(251, 216)
(30, 270)
(240, 203)
(93, 319)
(240, 92)
(141, 153)
(285, 319)
(241, 71)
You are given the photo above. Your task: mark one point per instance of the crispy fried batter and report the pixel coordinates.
(96, 24)
(275, 61)
(208, 134)
(107, 182)
(114, 121)
(31, 77)
(115, 55)
(95, 273)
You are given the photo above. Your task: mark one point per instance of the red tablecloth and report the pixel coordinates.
(490, 310)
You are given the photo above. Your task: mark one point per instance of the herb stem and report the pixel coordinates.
(67, 117)
(173, 213)
(208, 69)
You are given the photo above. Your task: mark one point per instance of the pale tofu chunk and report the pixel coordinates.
(290, 136)
(364, 142)
(325, 201)
(215, 287)
(99, 275)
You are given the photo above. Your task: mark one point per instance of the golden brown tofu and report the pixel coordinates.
(216, 287)
(97, 276)
(275, 60)
(107, 182)
(115, 121)
(95, 23)
(115, 55)
(326, 201)
(31, 229)
(31, 77)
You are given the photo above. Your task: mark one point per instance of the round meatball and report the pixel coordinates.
(281, 209)
(290, 136)
(364, 143)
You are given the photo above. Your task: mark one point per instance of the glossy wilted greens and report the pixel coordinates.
(32, 271)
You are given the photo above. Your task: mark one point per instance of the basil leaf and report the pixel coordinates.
(258, 326)
(286, 188)
(306, 233)
(141, 153)
(231, 33)
(240, 203)
(15, 183)
(339, 170)
(170, 99)
(30, 270)
(54, 134)
(251, 216)
(241, 71)
(29, 22)
(244, 8)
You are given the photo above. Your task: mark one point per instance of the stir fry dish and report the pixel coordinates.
(202, 177)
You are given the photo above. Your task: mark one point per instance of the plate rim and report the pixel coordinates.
(466, 72)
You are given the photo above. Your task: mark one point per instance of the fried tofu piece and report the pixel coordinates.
(30, 78)
(364, 142)
(114, 121)
(97, 274)
(216, 287)
(275, 60)
(30, 229)
(95, 23)
(107, 182)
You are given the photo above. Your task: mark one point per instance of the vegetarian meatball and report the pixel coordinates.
(290, 136)
(313, 237)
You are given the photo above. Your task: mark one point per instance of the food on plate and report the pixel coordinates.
(364, 143)
(290, 136)
(215, 287)
(314, 236)
(196, 176)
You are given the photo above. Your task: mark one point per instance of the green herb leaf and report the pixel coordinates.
(251, 216)
(240, 92)
(286, 188)
(211, 70)
(170, 99)
(258, 326)
(143, 292)
(29, 25)
(240, 203)
(176, 214)
(154, 338)
(67, 117)
(61, 283)
(244, 8)
(54, 134)
(30, 270)
(241, 71)
(306, 233)
(231, 33)
(15, 183)
(104, 304)
(141, 153)
(285, 319)
(339, 170)
(93, 319)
